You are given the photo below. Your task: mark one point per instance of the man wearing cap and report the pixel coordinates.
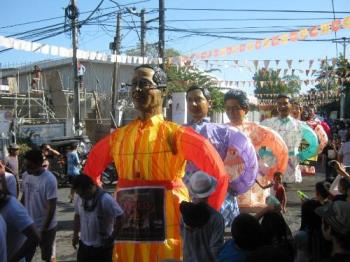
(224, 139)
(293, 132)
(336, 228)
(202, 227)
(150, 155)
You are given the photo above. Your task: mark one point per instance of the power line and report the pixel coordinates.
(255, 10)
(249, 19)
(61, 17)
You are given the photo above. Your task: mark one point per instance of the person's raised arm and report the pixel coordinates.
(322, 137)
(262, 186)
(98, 159)
(340, 169)
(204, 156)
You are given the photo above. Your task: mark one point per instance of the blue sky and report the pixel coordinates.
(97, 37)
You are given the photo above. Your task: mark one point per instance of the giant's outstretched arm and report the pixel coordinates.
(322, 138)
(99, 158)
(200, 151)
(272, 140)
(311, 138)
(242, 144)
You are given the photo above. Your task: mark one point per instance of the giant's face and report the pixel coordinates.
(234, 111)
(197, 104)
(307, 114)
(284, 106)
(145, 94)
(296, 111)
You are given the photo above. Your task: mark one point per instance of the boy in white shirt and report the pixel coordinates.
(96, 218)
(40, 197)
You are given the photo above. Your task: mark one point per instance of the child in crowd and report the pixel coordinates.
(202, 227)
(343, 187)
(96, 220)
(277, 189)
(310, 229)
(247, 235)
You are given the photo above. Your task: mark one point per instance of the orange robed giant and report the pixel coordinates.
(150, 154)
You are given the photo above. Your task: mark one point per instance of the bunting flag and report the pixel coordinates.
(256, 64)
(278, 71)
(277, 40)
(266, 64)
(310, 63)
(263, 84)
(46, 49)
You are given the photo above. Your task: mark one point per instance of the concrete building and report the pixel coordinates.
(48, 95)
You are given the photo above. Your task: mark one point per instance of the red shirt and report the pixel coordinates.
(279, 189)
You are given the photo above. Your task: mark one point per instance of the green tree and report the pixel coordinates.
(343, 74)
(326, 77)
(269, 82)
(181, 78)
(293, 84)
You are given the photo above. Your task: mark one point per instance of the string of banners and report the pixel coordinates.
(252, 83)
(46, 49)
(255, 65)
(274, 41)
(317, 98)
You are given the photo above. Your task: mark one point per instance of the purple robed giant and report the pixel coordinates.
(224, 138)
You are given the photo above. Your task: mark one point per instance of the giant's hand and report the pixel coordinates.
(200, 151)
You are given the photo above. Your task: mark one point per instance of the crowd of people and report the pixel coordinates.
(179, 187)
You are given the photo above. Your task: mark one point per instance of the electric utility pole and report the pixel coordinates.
(115, 47)
(143, 33)
(343, 41)
(161, 43)
(73, 15)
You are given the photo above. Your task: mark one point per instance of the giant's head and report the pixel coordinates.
(236, 105)
(284, 106)
(147, 87)
(198, 102)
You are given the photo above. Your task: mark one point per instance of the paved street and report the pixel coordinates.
(65, 251)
